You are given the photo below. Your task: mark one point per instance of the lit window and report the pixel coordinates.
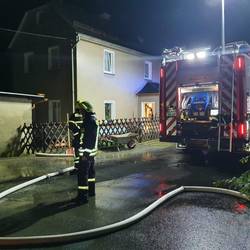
(109, 62)
(148, 109)
(53, 58)
(28, 62)
(148, 70)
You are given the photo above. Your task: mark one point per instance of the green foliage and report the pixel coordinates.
(245, 160)
(241, 184)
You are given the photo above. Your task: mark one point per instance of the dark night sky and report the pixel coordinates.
(156, 24)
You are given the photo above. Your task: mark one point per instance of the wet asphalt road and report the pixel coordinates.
(189, 221)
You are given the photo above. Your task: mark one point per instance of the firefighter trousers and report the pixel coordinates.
(86, 177)
(76, 158)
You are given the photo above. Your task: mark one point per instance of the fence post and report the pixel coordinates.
(69, 145)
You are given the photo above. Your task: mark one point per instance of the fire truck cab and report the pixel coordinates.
(205, 98)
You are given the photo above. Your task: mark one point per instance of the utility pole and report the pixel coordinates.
(223, 26)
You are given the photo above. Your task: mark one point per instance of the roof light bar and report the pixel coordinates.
(189, 56)
(170, 55)
(177, 53)
(201, 54)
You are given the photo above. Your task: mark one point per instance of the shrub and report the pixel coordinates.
(241, 184)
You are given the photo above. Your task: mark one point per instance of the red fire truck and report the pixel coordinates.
(205, 98)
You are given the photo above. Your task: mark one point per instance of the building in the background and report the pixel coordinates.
(15, 110)
(55, 53)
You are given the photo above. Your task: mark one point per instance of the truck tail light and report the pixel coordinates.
(242, 130)
(239, 64)
(161, 128)
(162, 73)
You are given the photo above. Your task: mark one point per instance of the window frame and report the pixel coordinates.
(38, 17)
(113, 109)
(27, 64)
(153, 103)
(149, 77)
(58, 111)
(50, 59)
(112, 67)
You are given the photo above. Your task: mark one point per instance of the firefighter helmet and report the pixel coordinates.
(84, 105)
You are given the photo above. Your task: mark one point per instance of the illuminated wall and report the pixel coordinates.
(14, 112)
(97, 87)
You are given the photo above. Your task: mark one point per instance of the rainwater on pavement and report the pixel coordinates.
(125, 187)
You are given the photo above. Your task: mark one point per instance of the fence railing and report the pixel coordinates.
(56, 137)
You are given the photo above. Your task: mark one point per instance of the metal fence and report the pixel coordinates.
(56, 137)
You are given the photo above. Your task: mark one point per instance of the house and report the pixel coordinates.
(15, 109)
(57, 54)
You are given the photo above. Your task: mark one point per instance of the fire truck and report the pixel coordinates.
(205, 98)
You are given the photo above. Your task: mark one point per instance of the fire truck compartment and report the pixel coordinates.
(198, 102)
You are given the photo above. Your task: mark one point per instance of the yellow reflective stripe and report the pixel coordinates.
(91, 180)
(83, 187)
(75, 123)
(85, 150)
(72, 121)
(88, 150)
(93, 154)
(96, 140)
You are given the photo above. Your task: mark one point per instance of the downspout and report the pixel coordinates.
(73, 69)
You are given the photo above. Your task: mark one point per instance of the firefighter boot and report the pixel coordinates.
(82, 197)
(91, 188)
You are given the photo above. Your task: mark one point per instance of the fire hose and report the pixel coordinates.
(100, 231)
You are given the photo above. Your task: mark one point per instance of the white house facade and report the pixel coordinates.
(109, 76)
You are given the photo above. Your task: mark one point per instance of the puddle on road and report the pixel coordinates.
(240, 208)
(148, 156)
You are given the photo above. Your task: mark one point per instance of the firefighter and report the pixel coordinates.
(85, 130)
(75, 125)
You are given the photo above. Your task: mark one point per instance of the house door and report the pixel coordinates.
(148, 109)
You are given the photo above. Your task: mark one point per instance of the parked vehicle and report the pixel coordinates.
(205, 98)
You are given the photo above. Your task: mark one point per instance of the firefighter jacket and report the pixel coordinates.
(76, 126)
(90, 138)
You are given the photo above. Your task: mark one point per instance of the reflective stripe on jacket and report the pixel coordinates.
(91, 132)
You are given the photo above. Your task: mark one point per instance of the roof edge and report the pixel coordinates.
(99, 41)
(18, 29)
(29, 96)
(147, 94)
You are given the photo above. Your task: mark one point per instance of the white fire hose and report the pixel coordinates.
(96, 232)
